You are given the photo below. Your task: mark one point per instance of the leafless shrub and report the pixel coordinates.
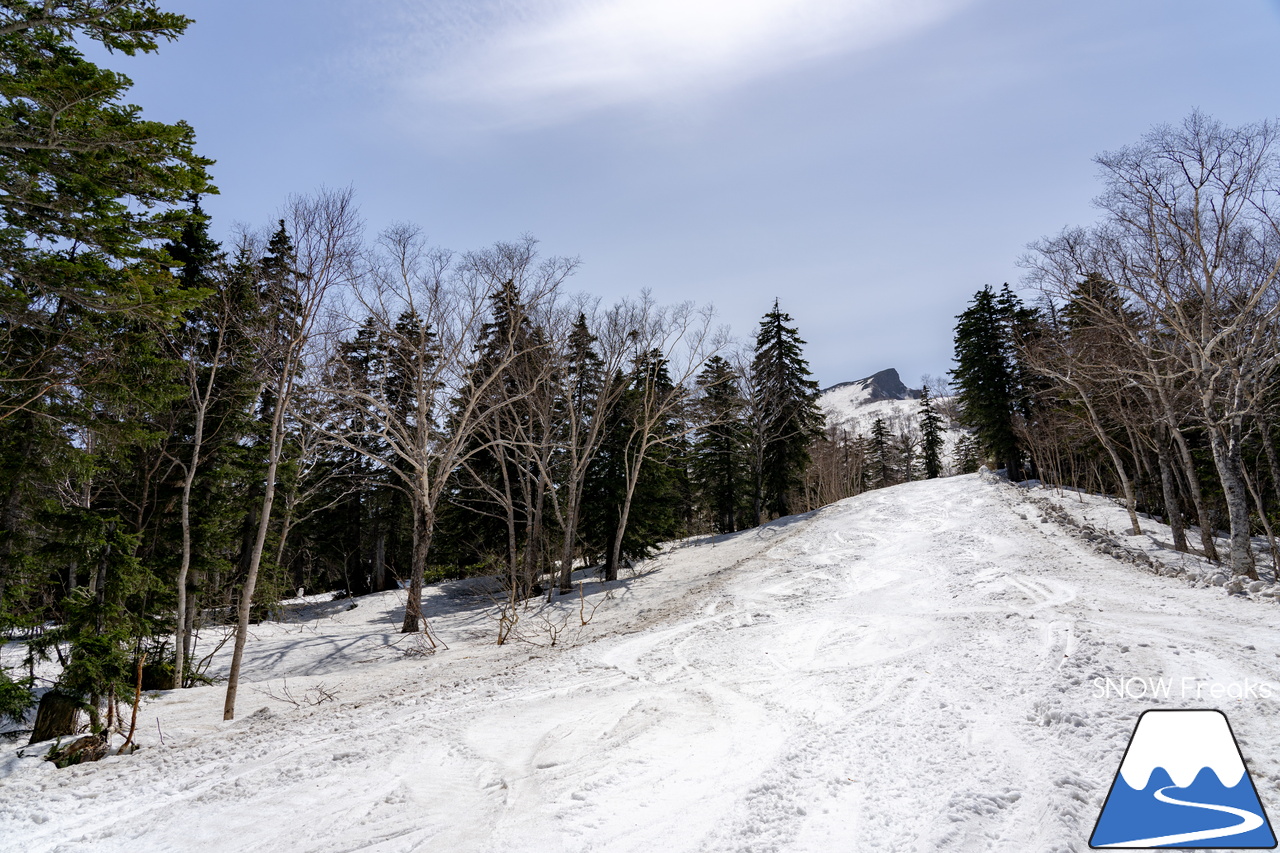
(313, 696)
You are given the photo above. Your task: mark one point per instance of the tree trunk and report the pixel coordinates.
(255, 559)
(286, 524)
(1172, 507)
(56, 717)
(1272, 463)
(1226, 457)
(567, 549)
(615, 552)
(423, 525)
(1266, 522)
(533, 546)
(1130, 498)
(187, 633)
(380, 561)
(1192, 478)
(757, 497)
(184, 567)
(513, 574)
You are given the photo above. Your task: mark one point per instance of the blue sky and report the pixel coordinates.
(871, 163)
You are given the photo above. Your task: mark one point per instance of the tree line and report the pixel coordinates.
(190, 431)
(334, 413)
(1145, 363)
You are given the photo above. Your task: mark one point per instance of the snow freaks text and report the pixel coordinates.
(1151, 687)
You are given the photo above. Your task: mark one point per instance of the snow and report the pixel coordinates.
(849, 408)
(1183, 743)
(938, 666)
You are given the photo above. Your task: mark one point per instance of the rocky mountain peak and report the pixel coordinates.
(885, 385)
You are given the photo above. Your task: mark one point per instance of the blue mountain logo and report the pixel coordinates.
(1182, 784)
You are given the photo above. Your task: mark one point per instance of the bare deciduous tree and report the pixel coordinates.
(1191, 240)
(420, 419)
(325, 230)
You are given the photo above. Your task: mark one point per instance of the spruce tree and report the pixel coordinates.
(931, 436)
(987, 375)
(90, 193)
(968, 453)
(883, 459)
(785, 416)
(583, 368)
(719, 451)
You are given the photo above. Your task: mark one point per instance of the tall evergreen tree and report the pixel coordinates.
(90, 191)
(882, 460)
(785, 414)
(987, 375)
(719, 458)
(583, 367)
(931, 436)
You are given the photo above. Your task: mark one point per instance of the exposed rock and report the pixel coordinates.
(885, 385)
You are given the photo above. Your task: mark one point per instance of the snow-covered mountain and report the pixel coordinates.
(885, 385)
(854, 406)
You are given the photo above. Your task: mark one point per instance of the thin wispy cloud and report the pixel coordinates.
(555, 58)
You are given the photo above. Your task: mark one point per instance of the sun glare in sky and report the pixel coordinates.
(568, 55)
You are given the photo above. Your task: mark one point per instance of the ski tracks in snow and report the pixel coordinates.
(898, 684)
(908, 670)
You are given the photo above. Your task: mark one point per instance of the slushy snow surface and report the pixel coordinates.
(920, 668)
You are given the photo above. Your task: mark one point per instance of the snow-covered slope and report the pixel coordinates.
(913, 669)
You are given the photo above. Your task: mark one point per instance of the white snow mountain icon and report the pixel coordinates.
(1183, 784)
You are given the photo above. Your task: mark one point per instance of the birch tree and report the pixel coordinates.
(675, 341)
(430, 310)
(324, 231)
(1191, 238)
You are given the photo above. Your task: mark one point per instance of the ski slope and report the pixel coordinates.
(912, 669)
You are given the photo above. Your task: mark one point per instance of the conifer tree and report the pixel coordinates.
(882, 460)
(968, 453)
(931, 436)
(785, 415)
(90, 191)
(719, 452)
(987, 375)
(583, 365)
